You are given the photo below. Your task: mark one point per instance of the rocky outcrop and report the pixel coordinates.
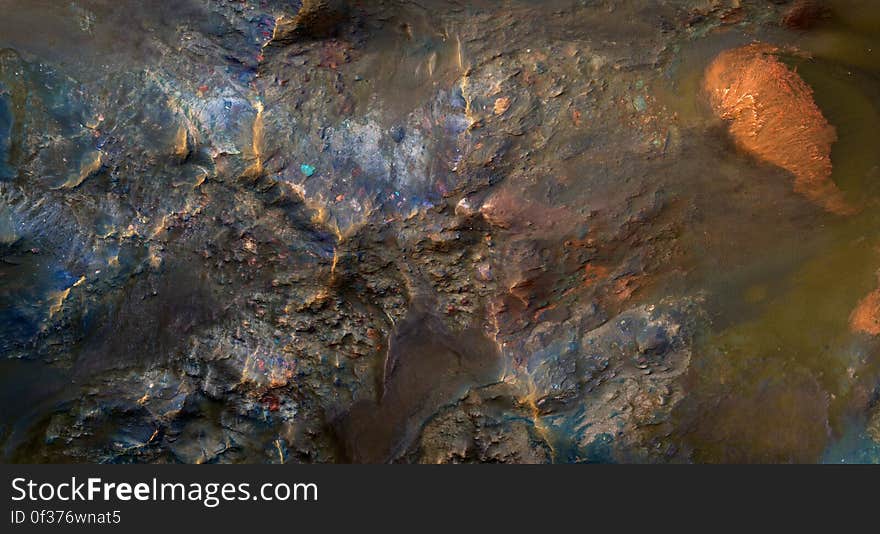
(771, 115)
(386, 231)
(315, 19)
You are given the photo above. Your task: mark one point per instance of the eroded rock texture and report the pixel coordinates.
(392, 231)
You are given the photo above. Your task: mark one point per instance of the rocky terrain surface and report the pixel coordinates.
(419, 231)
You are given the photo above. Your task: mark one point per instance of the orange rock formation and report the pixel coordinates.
(865, 319)
(772, 116)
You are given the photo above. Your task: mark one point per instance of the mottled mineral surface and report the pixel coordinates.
(438, 231)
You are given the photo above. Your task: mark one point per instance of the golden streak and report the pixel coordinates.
(57, 298)
(280, 453)
(256, 168)
(530, 401)
(159, 227)
(181, 142)
(335, 262)
(90, 164)
(320, 215)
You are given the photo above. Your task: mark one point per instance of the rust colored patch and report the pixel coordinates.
(594, 273)
(333, 54)
(271, 402)
(865, 319)
(625, 287)
(772, 116)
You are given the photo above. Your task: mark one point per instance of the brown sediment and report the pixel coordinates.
(772, 116)
(804, 14)
(426, 367)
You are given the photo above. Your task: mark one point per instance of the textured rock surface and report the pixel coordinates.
(329, 231)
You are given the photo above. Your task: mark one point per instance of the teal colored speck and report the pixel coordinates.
(307, 169)
(640, 104)
(640, 84)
